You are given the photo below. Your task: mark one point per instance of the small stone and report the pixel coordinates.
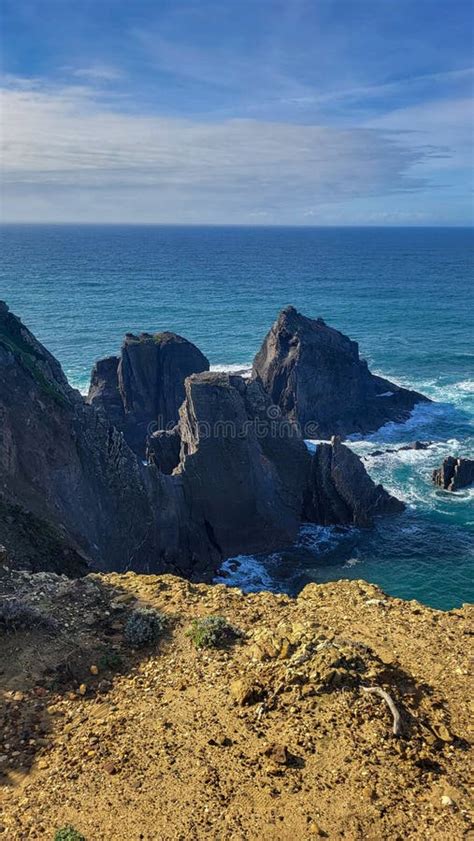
(110, 768)
(245, 691)
(444, 733)
(446, 801)
(125, 598)
(94, 670)
(83, 689)
(278, 753)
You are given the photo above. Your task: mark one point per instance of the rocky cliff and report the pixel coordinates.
(454, 473)
(68, 480)
(234, 476)
(144, 387)
(341, 491)
(315, 375)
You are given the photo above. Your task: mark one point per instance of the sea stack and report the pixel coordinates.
(144, 387)
(454, 473)
(315, 375)
(341, 491)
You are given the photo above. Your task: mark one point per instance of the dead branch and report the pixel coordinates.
(377, 690)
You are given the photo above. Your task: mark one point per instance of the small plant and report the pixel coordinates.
(17, 615)
(144, 626)
(212, 632)
(110, 660)
(68, 833)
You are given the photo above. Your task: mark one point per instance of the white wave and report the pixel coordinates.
(352, 562)
(245, 572)
(244, 368)
(322, 538)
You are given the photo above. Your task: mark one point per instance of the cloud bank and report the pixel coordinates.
(69, 156)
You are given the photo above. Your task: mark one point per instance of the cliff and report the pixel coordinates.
(269, 733)
(315, 375)
(238, 479)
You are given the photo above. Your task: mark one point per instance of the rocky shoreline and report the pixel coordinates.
(226, 472)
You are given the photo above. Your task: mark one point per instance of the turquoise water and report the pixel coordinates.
(406, 295)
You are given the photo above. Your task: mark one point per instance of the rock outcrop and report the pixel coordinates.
(454, 473)
(315, 375)
(243, 467)
(232, 477)
(72, 491)
(145, 386)
(341, 491)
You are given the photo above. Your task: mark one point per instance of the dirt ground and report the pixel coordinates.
(271, 737)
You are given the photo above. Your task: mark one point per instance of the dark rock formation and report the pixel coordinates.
(72, 492)
(416, 445)
(104, 390)
(341, 491)
(71, 488)
(454, 473)
(243, 467)
(145, 386)
(163, 448)
(316, 377)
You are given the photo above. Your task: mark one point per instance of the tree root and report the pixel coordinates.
(397, 721)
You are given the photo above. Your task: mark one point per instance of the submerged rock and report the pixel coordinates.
(415, 445)
(141, 391)
(315, 375)
(454, 473)
(340, 491)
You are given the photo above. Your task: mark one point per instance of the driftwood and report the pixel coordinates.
(377, 690)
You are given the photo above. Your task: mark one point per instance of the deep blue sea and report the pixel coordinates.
(407, 297)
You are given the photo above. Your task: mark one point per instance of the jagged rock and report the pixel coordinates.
(163, 448)
(454, 473)
(316, 377)
(142, 391)
(416, 445)
(71, 489)
(243, 466)
(341, 491)
(104, 390)
(73, 492)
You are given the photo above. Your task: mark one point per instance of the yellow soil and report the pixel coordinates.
(271, 738)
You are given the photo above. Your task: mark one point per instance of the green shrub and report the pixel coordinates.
(68, 833)
(110, 660)
(144, 626)
(212, 632)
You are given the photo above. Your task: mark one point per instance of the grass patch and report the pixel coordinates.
(212, 632)
(68, 833)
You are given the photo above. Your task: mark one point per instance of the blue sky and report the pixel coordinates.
(320, 112)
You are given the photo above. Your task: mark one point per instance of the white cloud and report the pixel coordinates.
(68, 157)
(98, 72)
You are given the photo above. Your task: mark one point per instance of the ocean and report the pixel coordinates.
(407, 297)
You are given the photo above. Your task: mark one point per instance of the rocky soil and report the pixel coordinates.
(270, 737)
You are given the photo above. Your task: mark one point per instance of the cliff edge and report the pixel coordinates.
(272, 731)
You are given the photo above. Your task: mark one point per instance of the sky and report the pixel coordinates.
(252, 112)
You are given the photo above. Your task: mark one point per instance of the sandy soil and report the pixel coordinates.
(270, 737)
